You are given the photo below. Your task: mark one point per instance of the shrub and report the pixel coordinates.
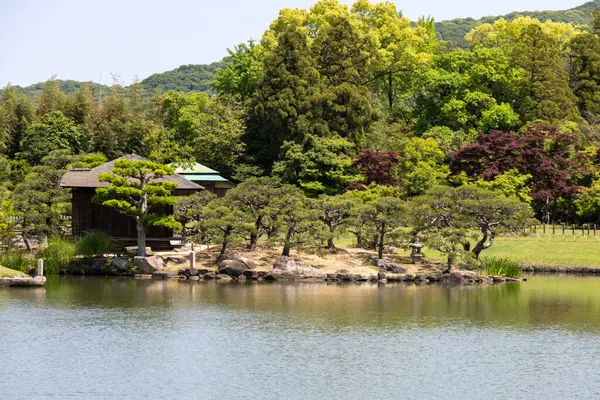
(501, 267)
(17, 261)
(94, 244)
(57, 255)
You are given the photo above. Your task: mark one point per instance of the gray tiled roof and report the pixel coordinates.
(88, 178)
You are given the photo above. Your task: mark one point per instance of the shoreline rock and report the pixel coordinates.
(36, 281)
(288, 269)
(148, 265)
(240, 268)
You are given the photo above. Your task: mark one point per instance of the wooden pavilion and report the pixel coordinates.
(206, 177)
(89, 216)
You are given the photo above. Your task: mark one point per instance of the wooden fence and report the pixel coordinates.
(559, 233)
(564, 229)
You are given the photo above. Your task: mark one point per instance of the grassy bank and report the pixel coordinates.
(552, 251)
(534, 251)
(9, 273)
(538, 252)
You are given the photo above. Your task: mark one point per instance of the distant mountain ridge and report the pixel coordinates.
(186, 78)
(455, 30)
(197, 77)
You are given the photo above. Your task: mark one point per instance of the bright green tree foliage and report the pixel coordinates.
(53, 131)
(539, 50)
(585, 71)
(448, 140)
(242, 73)
(39, 200)
(318, 165)
(588, 201)
(16, 113)
(422, 165)
(510, 184)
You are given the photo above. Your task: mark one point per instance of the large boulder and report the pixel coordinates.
(164, 275)
(148, 265)
(286, 268)
(250, 264)
(388, 266)
(120, 265)
(189, 272)
(223, 277)
(232, 268)
(460, 277)
(178, 259)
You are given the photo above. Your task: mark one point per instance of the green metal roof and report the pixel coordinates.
(196, 169)
(204, 177)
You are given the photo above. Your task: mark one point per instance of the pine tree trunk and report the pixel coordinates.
(26, 241)
(226, 235)
(381, 241)
(140, 227)
(223, 248)
(359, 243)
(141, 237)
(330, 244)
(449, 264)
(287, 246)
(485, 243)
(254, 235)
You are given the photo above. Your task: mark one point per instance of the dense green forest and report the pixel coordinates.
(337, 99)
(454, 31)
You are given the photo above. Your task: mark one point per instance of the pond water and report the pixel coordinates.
(126, 338)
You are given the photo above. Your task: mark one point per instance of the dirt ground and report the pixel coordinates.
(357, 261)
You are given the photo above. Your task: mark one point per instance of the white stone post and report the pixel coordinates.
(192, 260)
(40, 267)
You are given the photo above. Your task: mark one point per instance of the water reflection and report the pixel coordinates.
(547, 301)
(126, 338)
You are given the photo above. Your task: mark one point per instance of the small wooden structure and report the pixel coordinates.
(89, 216)
(210, 179)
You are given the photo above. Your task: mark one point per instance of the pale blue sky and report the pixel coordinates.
(84, 40)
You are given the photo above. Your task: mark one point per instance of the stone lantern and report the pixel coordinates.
(415, 254)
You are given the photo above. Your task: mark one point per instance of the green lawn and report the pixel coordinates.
(554, 252)
(9, 273)
(549, 250)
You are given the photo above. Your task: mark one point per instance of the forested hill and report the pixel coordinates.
(65, 86)
(186, 78)
(454, 31)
